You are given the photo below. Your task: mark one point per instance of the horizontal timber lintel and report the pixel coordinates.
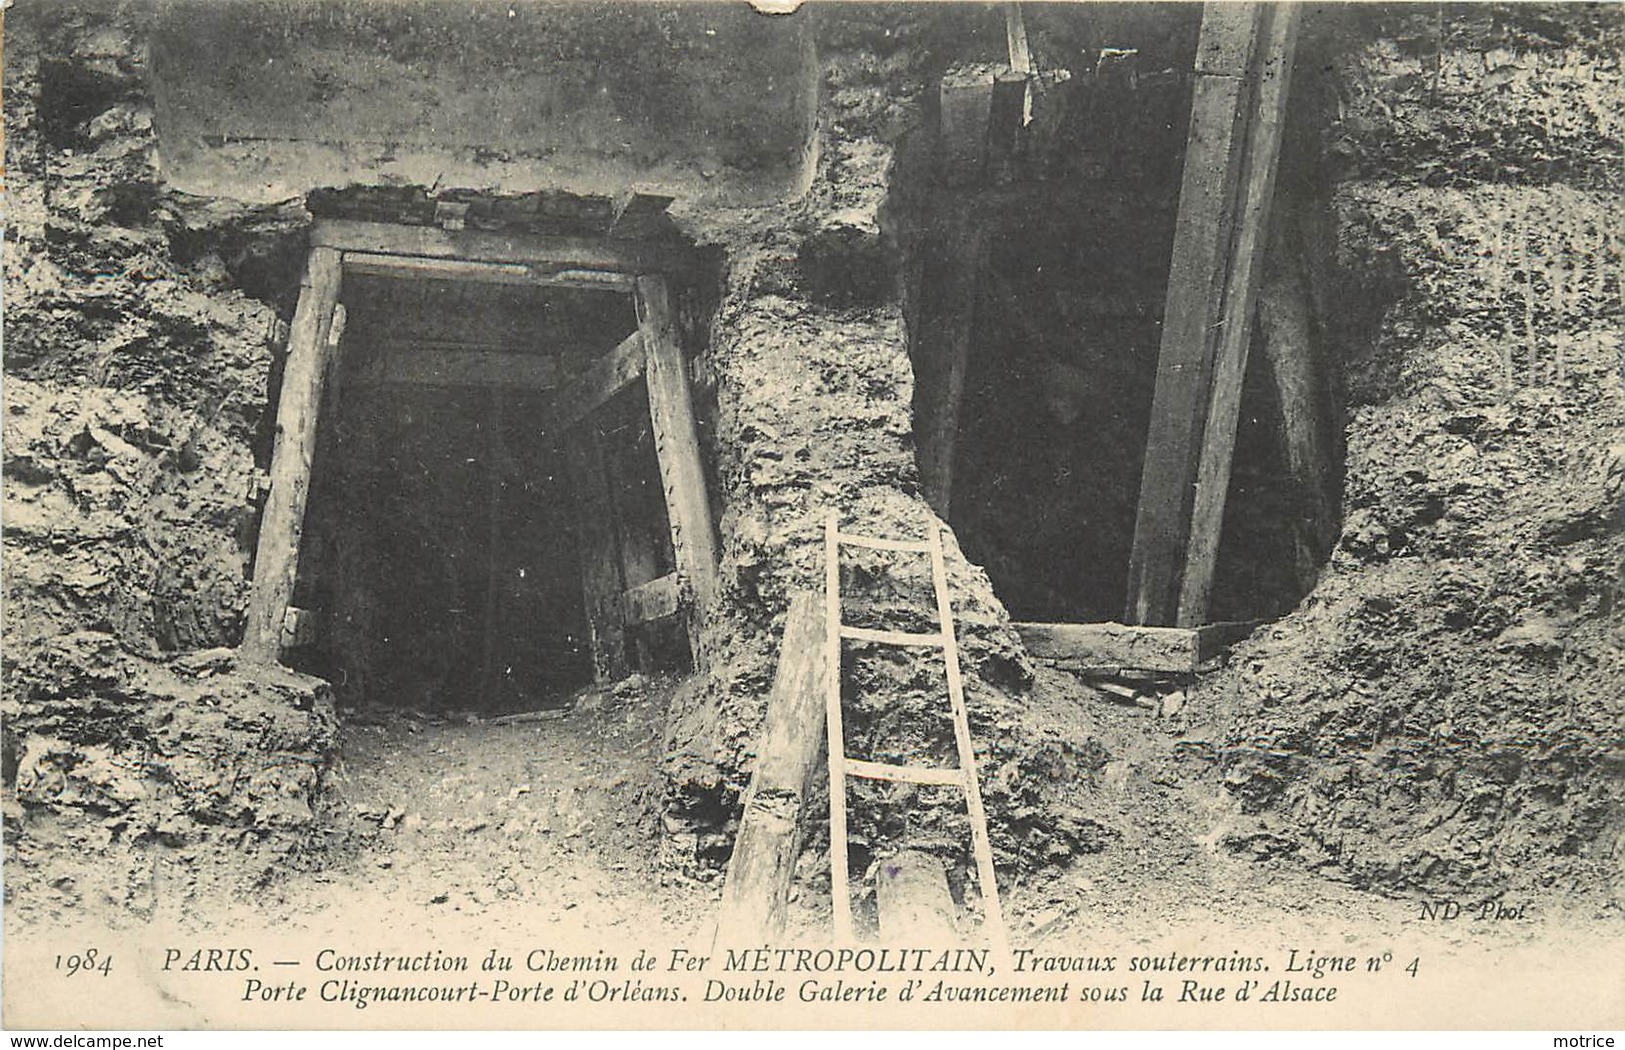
(1175, 650)
(534, 275)
(432, 242)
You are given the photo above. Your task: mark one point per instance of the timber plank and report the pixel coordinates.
(1213, 639)
(655, 600)
(495, 574)
(276, 557)
(1257, 188)
(1171, 649)
(427, 268)
(677, 447)
(637, 208)
(756, 895)
(477, 368)
(1191, 313)
(300, 627)
(965, 108)
(955, 252)
(1296, 365)
(1015, 35)
(601, 580)
(592, 253)
(608, 376)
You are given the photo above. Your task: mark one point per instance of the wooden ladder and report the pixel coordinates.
(842, 765)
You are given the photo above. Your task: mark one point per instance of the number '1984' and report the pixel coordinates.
(88, 961)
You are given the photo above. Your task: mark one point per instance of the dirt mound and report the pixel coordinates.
(1443, 710)
(131, 775)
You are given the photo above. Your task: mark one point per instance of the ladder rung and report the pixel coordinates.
(856, 767)
(866, 634)
(875, 543)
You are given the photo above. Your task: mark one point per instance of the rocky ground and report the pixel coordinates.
(553, 822)
(1439, 717)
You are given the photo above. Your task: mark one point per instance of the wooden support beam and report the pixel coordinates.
(1223, 104)
(1122, 647)
(965, 108)
(1007, 116)
(1011, 107)
(643, 544)
(585, 394)
(1213, 640)
(637, 208)
(300, 627)
(491, 671)
(477, 368)
(1256, 191)
(276, 558)
(1173, 649)
(677, 447)
(591, 253)
(655, 600)
(1301, 378)
(954, 253)
(756, 895)
(335, 336)
(1015, 38)
(601, 580)
(534, 275)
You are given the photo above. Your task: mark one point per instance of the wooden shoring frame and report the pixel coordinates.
(304, 379)
(341, 248)
(1238, 111)
(1238, 106)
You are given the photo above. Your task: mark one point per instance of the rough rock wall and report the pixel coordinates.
(143, 331)
(1438, 712)
(135, 388)
(1444, 710)
(808, 358)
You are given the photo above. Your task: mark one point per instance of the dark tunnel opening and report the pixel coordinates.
(443, 547)
(1058, 296)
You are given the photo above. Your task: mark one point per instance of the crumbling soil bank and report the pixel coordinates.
(1440, 710)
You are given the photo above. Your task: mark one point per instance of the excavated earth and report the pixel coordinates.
(1440, 715)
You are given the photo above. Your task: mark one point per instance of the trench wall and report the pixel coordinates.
(808, 372)
(1443, 710)
(135, 384)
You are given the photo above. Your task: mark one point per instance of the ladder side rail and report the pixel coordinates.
(993, 914)
(840, 892)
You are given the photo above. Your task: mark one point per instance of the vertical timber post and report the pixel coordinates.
(491, 677)
(601, 579)
(1300, 376)
(1257, 188)
(677, 446)
(954, 267)
(953, 250)
(309, 361)
(1243, 58)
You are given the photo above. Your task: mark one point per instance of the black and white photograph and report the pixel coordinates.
(567, 515)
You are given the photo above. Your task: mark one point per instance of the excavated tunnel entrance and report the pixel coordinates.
(1061, 333)
(443, 544)
(487, 489)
